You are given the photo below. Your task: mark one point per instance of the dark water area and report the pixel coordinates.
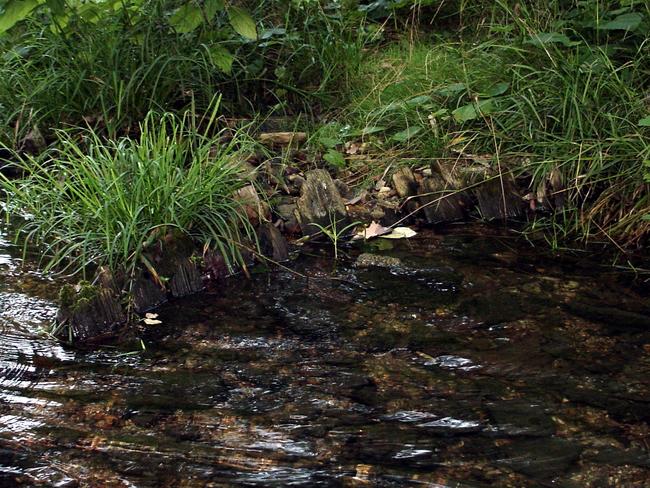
(477, 362)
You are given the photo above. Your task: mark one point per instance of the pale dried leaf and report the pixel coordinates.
(400, 233)
(373, 230)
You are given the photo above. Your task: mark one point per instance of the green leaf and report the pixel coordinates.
(451, 90)
(542, 38)
(406, 134)
(335, 158)
(372, 130)
(497, 89)
(473, 110)
(212, 7)
(276, 31)
(186, 18)
(242, 22)
(329, 142)
(418, 101)
(15, 11)
(56, 6)
(629, 21)
(644, 122)
(443, 112)
(221, 58)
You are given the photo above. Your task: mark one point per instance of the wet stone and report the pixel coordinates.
(272, 243)
(404, 182)
(367, 260)
(514, 418)
(541, 458)
(320, 203)
(88, 313)
(611, 316)
(494, 308)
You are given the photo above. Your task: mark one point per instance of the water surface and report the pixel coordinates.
(477, 363)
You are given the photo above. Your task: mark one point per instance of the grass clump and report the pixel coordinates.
(92, 202)
(544, 110)
(108, 64)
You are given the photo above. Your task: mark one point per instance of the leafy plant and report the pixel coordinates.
(333, 233)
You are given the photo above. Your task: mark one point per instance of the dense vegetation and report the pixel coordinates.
(554, 92)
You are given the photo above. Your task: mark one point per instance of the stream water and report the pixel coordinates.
(477, 362)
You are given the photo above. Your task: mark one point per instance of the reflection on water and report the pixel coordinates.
(472, 365)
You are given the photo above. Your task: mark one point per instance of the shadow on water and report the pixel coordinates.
(474, 363)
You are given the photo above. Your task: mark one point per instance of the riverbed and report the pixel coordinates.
(477, 361)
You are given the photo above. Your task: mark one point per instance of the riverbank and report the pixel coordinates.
(201, 155)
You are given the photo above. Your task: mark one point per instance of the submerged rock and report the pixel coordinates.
(367, 260)
(610, 316)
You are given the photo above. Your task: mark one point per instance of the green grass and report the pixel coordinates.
(107, 75)
(541, 111)
(93, 202)
(111, 71)
(548, 90)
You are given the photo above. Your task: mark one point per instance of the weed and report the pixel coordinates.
(90, 202)
(334, 233)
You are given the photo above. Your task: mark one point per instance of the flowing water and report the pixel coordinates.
(477, 362)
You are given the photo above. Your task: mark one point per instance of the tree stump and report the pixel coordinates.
(320, 203)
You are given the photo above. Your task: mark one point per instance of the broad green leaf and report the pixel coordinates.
(335, 158)
(15, 11)
(212, 7)
(242, 22)
(497, 89)
(329, 142)
(221, 58)
(406, 134)
(443, 112)
(187, 18)
(644, 122)
(542, 38)
(451, 90)
(629, 21)
(473, 110)
(90, 12)
(56, 6)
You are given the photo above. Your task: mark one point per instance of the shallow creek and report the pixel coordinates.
(477, 362)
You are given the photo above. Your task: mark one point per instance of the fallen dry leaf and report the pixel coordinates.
(373, 230)
(399, 233)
